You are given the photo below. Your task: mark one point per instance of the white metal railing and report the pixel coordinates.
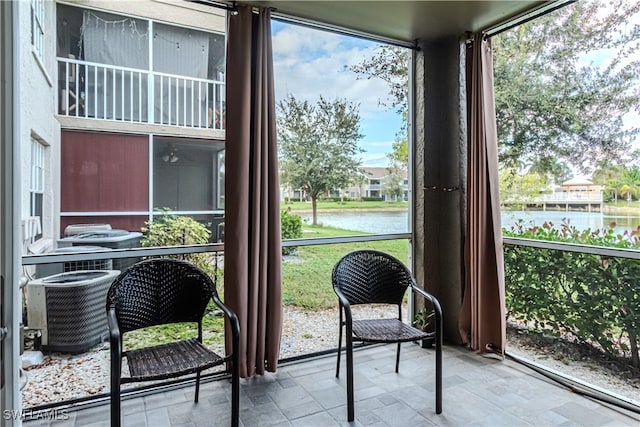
(109, 92)
(564, 196)
(573, 247)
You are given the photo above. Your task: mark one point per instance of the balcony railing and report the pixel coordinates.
(108, 92)
(563, 196)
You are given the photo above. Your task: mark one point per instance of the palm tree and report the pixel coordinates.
(360, 179)
(608, 175)
(629, 183)
(548, 166)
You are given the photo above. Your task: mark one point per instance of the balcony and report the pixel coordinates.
(91, 90)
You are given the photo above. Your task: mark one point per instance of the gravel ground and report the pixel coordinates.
(64, 377)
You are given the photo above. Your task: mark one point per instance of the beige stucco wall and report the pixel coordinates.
(37, 109)
(177, 12)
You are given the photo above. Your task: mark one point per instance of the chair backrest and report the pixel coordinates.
(371, 277)
(159, 291)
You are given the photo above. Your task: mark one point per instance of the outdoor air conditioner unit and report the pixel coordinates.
(113, 239)
(43, 270)
(69, 309)
(74, 229)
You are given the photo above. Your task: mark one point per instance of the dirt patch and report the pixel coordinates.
(578, 360)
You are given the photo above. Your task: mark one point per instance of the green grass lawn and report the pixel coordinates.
(623, 204)
(212, 332)
(306, 284)
(306, 276)
(351, 204)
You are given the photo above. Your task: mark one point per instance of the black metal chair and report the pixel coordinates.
(158, 292)
(372, 277)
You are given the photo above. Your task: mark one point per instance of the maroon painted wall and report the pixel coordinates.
(104, 172)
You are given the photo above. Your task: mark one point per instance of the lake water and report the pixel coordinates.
(382, 222)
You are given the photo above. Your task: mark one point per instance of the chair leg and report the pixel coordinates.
(398, 358)
(350, 408)
(197, 387)
(339, 345)
(115, 400)
(235, 392)
(439, 373)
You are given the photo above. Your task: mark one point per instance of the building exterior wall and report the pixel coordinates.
(185, 13)
(37, 113)
(104, 172)
(39, 102)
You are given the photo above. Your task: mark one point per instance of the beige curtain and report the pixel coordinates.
(482, 317)
(252, 258)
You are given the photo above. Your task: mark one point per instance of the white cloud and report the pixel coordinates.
(377, 144)
(309, 63)
(374, 160)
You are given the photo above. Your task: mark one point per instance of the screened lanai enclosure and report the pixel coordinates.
(137, 130)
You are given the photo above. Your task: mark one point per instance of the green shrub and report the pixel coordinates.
(291, 229)
(593, 298)
(372, 199)
(169, 229)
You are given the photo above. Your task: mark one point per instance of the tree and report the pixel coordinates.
(520, 190)
(551, 167)
(608, 175)
(551, 102)
(399, 156)
(629, 183)
(392, 186)
(318, 145)
(360, 180)
(390, 63)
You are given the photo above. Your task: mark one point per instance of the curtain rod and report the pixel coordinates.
(546, 8)
(217, 4)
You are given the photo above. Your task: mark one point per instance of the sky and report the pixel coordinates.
(309, 63)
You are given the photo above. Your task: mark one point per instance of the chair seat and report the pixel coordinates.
(169, 360)
(386, 330)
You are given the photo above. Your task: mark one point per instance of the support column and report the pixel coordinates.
(440, 173)
(10, 216)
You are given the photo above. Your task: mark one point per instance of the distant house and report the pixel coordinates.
(373, 184)
(581, 188)
(576, 193)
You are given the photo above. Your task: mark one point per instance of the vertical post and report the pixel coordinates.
(411, 178)
(439, 159)
(10, 211)
(151, 80)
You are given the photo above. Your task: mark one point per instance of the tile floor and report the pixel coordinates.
(478, 391)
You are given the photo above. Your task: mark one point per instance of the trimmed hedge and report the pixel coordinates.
(593, 298)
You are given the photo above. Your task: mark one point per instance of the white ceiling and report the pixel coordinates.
(405, 20)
